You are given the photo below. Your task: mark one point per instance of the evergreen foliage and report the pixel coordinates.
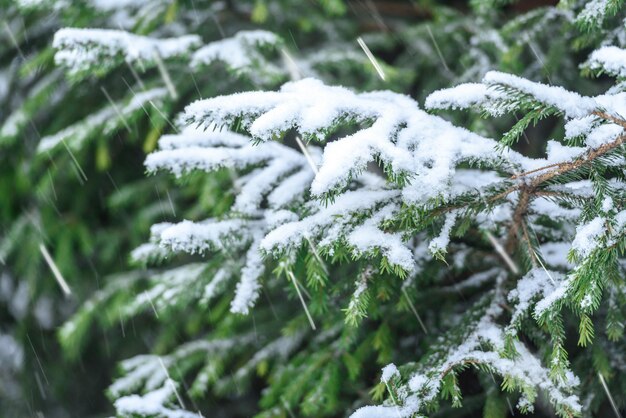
(433, 227)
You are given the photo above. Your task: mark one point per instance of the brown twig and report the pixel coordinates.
(531, 251)
(526, 173)
(518, 217)
(529, 190)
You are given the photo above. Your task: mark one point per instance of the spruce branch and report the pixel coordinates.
(360, 237)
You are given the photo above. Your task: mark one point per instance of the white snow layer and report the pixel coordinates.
(611, 59)
(80, 49)
(588, 236)
(237, 52)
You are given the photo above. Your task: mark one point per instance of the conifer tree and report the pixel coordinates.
(346, 251)
(72, 144)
